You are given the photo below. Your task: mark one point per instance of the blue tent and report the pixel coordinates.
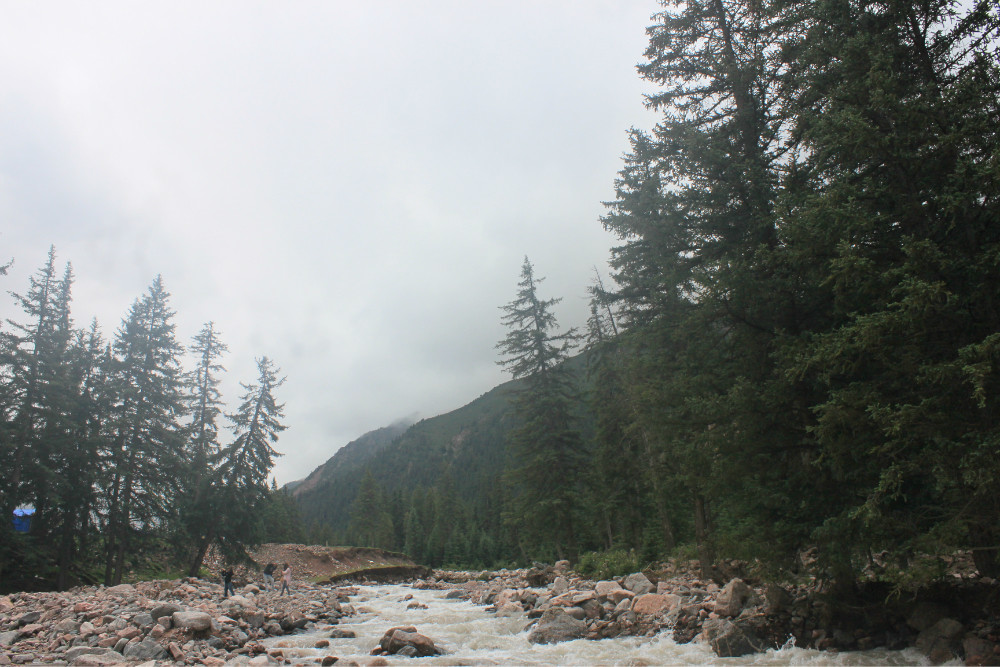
(22, 519)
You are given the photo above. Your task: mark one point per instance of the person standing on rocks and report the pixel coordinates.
(286, 580)
(269, 576)
(227, 582)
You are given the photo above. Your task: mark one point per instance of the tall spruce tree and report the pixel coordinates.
(896, 108)
(197, 512)
(245, 464)
(547, 454)
(147, 439)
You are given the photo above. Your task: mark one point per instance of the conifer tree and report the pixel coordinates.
(147, 438)
(547, 450)
(201, 495)
(245, 464)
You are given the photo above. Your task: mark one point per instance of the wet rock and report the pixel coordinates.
(407, 641)
(938, 642)
(555, 626)
(730, 640)
(979, 651)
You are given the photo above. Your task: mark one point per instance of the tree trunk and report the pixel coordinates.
(702, 533)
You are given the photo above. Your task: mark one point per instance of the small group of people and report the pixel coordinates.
(269, 570)
(286, 578)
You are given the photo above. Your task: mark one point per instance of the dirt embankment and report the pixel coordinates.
(322, 564)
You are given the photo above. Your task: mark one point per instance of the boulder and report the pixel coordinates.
(74, 654)
(161, 610)
(147, 649)
(196, 621)
(939, 641)
(555, 626)
(9, 638)
(733, 598)
(638, 583)
(730, 640)
(604, 589)
(560, 586)
(121, 590)
(406, 641)
(979, 651)
(652, 604)
(777, 598)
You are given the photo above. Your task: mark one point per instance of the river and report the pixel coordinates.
(470, 635)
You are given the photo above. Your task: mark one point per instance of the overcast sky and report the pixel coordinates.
(346, 187)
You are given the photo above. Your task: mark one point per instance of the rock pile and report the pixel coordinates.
(185, 621)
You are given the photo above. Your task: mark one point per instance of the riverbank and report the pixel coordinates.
(188, 622)
(952, 621)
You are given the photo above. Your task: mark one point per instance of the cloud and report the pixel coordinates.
(348, 188)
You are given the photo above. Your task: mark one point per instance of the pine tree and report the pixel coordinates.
(201, 495)
(245, 464)
(547, 451)
(147, 436)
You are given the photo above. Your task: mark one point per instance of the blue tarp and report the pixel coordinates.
(22, 519)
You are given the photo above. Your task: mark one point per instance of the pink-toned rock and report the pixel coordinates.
(175, 651)
(5, 604)
(212, 661)
(605, 588)
(31, 628)
(82, 607)
(733, 598)
(581, 597)
(108, 641)
(129, 633)
(157, 631)
(653, 603)
(621, 594)
(121, 590)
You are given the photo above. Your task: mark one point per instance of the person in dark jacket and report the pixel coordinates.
(269, 576)
(227, 583)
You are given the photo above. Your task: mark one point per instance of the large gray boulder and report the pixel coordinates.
(556, 626)
(729, 640)
(196, 621)
(161, 610)
(145, 650)
(638, 583)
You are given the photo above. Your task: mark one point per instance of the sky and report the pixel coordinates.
(349, 188)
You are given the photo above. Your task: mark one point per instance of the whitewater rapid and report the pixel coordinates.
(471, 635)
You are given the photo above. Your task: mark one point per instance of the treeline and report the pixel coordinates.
(800, 346)
(118, 448)
(802, 343)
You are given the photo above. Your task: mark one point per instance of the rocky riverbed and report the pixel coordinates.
(187, 622)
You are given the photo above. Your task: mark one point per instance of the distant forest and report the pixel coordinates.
(798, 345)
(116, 450)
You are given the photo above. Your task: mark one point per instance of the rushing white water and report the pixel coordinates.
(470, 635)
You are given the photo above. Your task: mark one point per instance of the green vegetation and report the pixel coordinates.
(117, 449)
(800, 346)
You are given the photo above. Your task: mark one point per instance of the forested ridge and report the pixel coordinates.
(119, 449)
(798, 344)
